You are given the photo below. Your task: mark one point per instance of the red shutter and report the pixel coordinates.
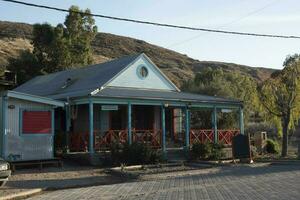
(36, 122)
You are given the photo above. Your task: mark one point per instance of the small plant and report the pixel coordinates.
(201, 150)
(272, 146)
(133, 154)
(254, 152)
(217, 152)
(115, 153)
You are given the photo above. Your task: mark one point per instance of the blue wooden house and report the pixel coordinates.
(125, 100)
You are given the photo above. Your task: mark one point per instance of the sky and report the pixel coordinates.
(260, 16)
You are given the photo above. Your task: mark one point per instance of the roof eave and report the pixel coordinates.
(34, 98)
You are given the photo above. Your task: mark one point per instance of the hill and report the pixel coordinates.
(15, 37)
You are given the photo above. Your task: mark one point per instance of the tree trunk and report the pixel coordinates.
(285, 126)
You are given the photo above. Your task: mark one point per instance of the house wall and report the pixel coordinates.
(20, 146)
(131, 77)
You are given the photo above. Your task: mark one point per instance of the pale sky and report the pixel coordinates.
(261, 16)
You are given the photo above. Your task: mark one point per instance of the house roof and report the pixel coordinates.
(83, 80)
(33, 98)
(92, 81)
(133, 93)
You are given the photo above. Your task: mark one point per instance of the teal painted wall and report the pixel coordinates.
(131, 78)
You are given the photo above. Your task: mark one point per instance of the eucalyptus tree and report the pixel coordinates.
(280, 96)
(64, 46)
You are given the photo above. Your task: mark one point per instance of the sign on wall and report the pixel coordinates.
(109, 107)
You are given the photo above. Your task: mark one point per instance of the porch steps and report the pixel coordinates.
(176, 155)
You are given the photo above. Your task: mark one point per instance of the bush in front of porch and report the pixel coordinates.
(207, 151)
(134, 154)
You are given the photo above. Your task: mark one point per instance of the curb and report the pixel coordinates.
(32, 192)
(22, 194)
(280, 162)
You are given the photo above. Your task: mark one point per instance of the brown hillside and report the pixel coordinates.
(15, 37)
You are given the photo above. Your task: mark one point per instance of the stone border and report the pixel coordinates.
(280, 162)
(23, 194)
(124, 172)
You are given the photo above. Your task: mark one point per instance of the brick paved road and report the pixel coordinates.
(267, 182)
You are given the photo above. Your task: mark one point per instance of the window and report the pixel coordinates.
(36, 122)
(143, 71)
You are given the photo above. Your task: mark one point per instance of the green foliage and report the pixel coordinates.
(227, 84)
(133, 154)
(272, 146)
(280, 96)
(58, 48)
(26, 66)
(217, 152)
(201, 150)
(207, 151)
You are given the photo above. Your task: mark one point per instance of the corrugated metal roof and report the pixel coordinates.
(85, 79)
(133, 93)
(81, 82)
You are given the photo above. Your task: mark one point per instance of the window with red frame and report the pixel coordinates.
(36, 122)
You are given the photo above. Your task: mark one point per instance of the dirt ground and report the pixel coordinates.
(70, 175)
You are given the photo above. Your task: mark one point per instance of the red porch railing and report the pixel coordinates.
(104, 139)
(148, 137)
(152, 138)
(225, 136)
(203, 136)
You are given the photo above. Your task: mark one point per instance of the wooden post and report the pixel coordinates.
(242, 131)
(129, 123)
(215, 125)
(91, 129)
(163, 127)
(187, 129)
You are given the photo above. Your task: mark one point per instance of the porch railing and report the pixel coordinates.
(207, 136)
(104, 139)
(201, 136)
(151, 138)
(225, 136)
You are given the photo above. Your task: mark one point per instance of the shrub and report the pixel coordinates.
(133, 154)
(217, 151)
(272, 146)
(116, 153)
(200, 150)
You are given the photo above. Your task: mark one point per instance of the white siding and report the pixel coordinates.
(130, 77)
(25, 147)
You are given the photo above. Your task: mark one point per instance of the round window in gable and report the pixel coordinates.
(143, 71)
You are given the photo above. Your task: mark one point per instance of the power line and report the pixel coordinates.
(158, 24)
(222, 26)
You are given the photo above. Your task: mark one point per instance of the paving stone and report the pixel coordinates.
(242, 182)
